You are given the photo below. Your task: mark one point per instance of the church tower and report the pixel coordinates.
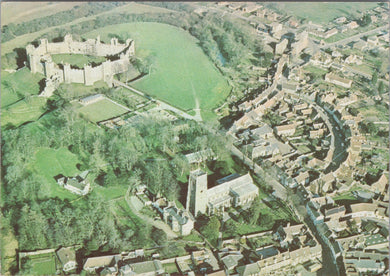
(197, 192)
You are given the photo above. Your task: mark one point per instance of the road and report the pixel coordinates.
(338, 140)
(329, 267)
(354, 37)
(135, 205)
(161, 104)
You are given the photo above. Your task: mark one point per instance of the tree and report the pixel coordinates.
(230, 228)
(253, 213)
(158, 236)
(211, 229)
(374, 79)
(365, 20)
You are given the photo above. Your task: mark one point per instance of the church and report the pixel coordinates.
(233, 190)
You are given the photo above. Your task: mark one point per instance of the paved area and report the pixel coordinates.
(136, 205)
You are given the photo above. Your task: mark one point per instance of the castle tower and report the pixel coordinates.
(197, 192)
(88, 75)
(67, 72)
(68, 38)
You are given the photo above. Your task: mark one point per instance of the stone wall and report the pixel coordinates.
(40, 61)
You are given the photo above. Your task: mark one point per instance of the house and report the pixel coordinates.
(302, 178)
(179, 220)
(381, 185)
(340, 20)
(67, 258)
(315, 162)
(249, 270)
(317, 133)
(263, 132)
(335, 213)
(285, 130)
(91, 264)
(366, 266)
(360, 45)
(330, 33)
(234, 5)
(373, 40)
(269, 149)
(352, 25)
(313, 209)
(249, 8)
(200, 156)
(231, 261)
(363, 210)
(353, 59)
(333, 78)
(77, 185)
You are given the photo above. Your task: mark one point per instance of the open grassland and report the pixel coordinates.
(23, 111)
(180, 73)
(323, 12)
(102, 110)
(130, 8)
(14, 86)
(49, 162)
(77, 59)
(16, 12)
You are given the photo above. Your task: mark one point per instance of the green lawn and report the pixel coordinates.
(49, 163)
(111, 192)
(14, 86)
(171, 268)
(23, 111)
(44, 266)
(323, 12)
(76, 59)
(102, 110)
(180, 71)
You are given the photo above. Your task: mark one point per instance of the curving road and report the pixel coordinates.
(354, 37)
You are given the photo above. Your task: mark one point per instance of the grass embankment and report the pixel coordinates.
(15, 86)
(180, 73)
(19, 103)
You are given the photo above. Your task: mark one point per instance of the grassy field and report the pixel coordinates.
(102, 110)
(76, 59)
(49, 163)
(23, 111)
(323, 12)
(181, 73)
(14, 86)
(16, 12)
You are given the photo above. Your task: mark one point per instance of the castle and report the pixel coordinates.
(39, 60)
(233, 190)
